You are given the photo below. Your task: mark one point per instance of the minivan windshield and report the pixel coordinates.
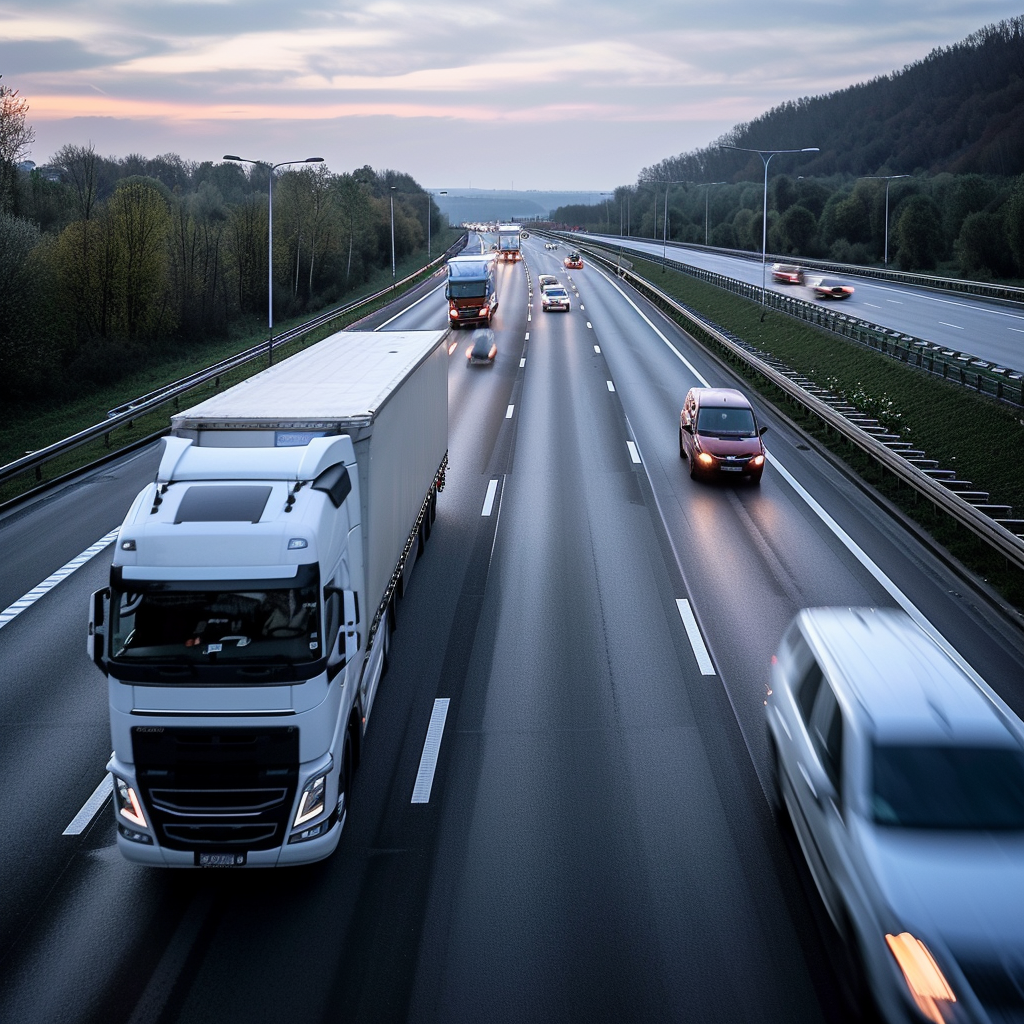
(216, 626)
(733, 421)
(948, 787)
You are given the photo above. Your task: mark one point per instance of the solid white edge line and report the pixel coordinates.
(611, 386)
(38, 591)
(700, 651)
(80, 822)
(887, 584)
(508, 412)
(431, 750)
(492, 488)
(848, 542)
(407, 308)
(634, 452)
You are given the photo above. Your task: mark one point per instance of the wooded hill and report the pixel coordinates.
(948, 128)
(960, 109)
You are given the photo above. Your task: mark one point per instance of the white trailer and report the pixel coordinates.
(251, 600)
(509, 242)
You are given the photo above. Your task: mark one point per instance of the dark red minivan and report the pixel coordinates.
(719, 435)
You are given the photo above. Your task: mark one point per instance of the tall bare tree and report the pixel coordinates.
(16, 135)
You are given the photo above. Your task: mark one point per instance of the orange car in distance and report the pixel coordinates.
(574, 261)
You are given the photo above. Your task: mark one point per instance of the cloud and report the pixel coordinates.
(117, 65)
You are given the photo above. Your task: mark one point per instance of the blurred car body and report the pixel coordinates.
(548, 281)
(787, 273)
(574, 261)
(830, 288)
(554, 297)
(719, 435)
(483, 349)
(904, 783)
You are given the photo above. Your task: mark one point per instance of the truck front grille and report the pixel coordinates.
(223, 786)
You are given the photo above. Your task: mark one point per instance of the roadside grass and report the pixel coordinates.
(28, 429)
(959, 428)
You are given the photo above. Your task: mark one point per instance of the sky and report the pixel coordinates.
(521, 94)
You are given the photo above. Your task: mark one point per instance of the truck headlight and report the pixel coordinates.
(128, 805)
(313, 800)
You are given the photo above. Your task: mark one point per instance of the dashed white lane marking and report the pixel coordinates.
(522, 362)
(895, 302)
(527, 335)
(508, 412)
(529, 318)
(872, 305)
(14, 610)
(492, 489)
(700, 651)
(590, 325)
(597, 349)
(431, 750)
(582, 306)
(452, 347)
(611, 386)
(1018, 330)
(955, 327)
(80, 822)
(634, 452)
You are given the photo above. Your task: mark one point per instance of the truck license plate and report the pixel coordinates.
(220, 860)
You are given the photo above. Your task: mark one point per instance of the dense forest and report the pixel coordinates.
(940, 143)
(108, 263)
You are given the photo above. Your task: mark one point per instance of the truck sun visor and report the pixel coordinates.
(241, 504)
(334, 482)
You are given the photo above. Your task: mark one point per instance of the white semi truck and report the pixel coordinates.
(251, 600)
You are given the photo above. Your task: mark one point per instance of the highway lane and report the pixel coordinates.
(596, 844)
(988, 330)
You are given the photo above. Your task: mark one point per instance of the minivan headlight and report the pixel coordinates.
(924, 978)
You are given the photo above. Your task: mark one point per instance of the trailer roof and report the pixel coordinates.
(347, 377)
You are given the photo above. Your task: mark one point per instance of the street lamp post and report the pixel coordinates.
(766, 155)
(391, 195)
(270, 234)
(430, 199)
(888, 178)
(707, 186)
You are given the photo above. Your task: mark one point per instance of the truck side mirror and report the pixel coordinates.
(97, 636)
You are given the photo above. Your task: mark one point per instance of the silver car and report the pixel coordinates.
(903, 777)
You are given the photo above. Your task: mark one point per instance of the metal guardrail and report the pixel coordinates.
(1003, 384)
(982, 289)
(124, 414)
(997, 537)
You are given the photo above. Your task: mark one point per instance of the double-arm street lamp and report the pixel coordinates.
(887, 178)
(766, 155)
(270, 234)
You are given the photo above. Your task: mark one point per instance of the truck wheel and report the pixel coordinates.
(433, 505)
(345, 778)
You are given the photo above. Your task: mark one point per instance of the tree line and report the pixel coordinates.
(109, 263)
(970, 225)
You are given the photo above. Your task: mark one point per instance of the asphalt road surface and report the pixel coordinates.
(597, 845)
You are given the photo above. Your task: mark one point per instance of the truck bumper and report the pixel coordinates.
(291, 855)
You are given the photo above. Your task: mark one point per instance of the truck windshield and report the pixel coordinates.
(219, 626)
(467, 289)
